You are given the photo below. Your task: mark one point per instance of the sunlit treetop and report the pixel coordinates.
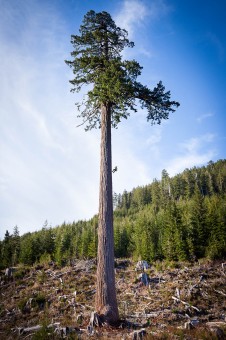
(97, 61)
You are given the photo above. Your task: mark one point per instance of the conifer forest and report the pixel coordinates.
(179, 218)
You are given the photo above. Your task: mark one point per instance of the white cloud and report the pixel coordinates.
(195, 143)
(135, 16)
(132, 13)
(178, 164)
(49, 169)
(194, 152)
(156, 136)
(153, 142)
(146, 52)
(204, 116)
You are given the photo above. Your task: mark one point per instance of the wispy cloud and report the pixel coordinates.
(135, 16)
(194, 152)
(203, 117)
(155, 137)
(42, 153)
(134, 13)
(196, 143)
(131, 15)
(153, 142)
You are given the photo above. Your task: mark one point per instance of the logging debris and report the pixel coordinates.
(161, 299)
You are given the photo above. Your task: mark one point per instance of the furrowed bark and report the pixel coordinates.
(106, 302)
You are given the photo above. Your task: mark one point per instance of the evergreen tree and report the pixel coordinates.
(49, 241)
(209, 180)
(28, 250)
(198, 232)
(156, 195)
(7, 250)
(88, 241)
(216, 220)
(1, 255)
(141, 196)
(169, 242)
(76, 238)
(125, 200)
(181, 233)
(122, 239)
(143, 237)
(94, 240)
(165, 187)
(174, 233)
(15, 245)
(117, 240)
(97, 60)
(63, 246)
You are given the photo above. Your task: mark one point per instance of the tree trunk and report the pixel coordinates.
(106, 302)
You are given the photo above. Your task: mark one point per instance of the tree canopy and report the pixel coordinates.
(97, 60)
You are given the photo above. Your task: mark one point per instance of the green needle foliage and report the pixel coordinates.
(97, 61)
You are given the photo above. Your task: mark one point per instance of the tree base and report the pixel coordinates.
(98, 320)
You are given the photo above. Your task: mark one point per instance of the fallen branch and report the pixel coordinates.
(29, 335)
(157, 280)
(216, 324)
(6, 285)
(185, 303)
(29, 329)
(140, 315)
(220, 292)
(146, 297)
(56, 326)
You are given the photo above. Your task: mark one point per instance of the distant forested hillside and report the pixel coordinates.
(175, 218)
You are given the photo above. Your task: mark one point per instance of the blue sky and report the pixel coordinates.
(49, 169)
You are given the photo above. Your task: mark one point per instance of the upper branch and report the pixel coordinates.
(157, 102)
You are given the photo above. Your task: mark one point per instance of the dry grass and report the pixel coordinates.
(66, 295)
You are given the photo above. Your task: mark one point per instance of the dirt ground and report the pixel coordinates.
(180, 301)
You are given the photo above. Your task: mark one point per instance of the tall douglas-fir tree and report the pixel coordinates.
(114, 94)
